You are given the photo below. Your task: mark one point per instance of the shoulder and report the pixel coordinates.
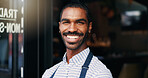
(50, 71)
(98, 69)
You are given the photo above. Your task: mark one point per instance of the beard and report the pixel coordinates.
(72, 43)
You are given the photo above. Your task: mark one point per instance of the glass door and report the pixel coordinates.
(11, 38)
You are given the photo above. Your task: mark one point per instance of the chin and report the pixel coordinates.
(72, 47)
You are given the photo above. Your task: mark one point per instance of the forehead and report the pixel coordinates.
(74, 13)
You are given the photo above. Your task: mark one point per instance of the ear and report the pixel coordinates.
(59, 24)
(90, 27)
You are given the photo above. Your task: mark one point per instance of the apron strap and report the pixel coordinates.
(54, 72)
(84, 67)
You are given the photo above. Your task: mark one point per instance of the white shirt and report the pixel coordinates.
(72, 70)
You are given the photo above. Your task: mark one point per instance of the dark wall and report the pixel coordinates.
(37, 37)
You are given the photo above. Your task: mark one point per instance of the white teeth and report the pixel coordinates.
(75, 37)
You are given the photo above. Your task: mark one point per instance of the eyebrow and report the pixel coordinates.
(81, 20)
(64, 19)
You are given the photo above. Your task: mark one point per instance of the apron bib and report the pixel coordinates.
(84, 67)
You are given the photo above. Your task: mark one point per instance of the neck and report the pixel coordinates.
(71, 53)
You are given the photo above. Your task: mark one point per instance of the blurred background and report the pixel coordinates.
(119, 37)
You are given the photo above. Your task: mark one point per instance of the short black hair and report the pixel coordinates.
(78, 5)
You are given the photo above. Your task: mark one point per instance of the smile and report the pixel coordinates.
(72, 37)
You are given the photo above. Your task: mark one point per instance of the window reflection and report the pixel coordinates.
(4, 52)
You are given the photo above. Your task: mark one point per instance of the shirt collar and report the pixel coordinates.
(79, 58)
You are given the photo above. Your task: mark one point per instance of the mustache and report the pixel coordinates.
(73, 33)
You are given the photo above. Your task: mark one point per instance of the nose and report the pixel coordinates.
(72, 27)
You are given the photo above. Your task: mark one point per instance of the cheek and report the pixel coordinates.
(63, 28)
(84, 29)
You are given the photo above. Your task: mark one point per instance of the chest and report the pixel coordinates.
(73, 70)
(68, 71)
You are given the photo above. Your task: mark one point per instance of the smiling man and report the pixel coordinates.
(78, 62)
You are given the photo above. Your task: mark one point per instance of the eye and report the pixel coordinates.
(65, 22)
(81, 23)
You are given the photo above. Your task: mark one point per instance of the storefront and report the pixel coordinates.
(30, 41)
(25, 43)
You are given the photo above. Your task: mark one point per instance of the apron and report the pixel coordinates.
(84, 67)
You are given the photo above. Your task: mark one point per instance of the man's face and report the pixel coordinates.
(74, 27)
